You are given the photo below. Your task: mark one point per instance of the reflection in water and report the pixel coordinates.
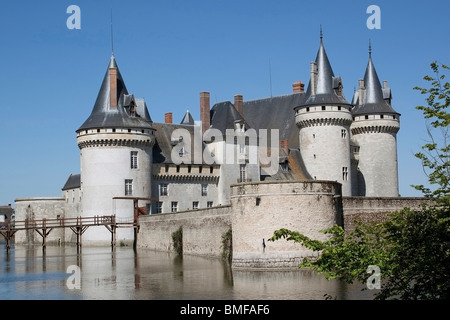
(29, 273)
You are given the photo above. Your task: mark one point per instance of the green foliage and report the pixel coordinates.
(411, 248)
(177, 238)
(436, 153)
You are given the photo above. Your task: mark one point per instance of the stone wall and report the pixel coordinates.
(38, 209)
(367, 209)
(202, 230)
(258, 209)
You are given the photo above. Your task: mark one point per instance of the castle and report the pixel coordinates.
(304, 151)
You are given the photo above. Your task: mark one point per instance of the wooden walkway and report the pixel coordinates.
(78, 225)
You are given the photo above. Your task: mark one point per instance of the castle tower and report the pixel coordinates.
(116, 156)
(324, 125)
(374, 132)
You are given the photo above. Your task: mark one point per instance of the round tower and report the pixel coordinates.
(374, 133)
(116, 158)
(324, 125)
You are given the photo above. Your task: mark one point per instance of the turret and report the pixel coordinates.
(324, 125)
(374, 132)
(116, 144)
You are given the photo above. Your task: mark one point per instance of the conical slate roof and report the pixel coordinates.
(187, 119)
(374, 101)
(103, 116)
(327, 83)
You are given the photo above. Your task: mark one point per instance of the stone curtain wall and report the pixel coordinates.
(38, 209)
(375, 209)
(202, 230)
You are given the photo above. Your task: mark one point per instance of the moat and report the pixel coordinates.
(99, 273)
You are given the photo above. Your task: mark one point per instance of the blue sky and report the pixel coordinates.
(170, 51)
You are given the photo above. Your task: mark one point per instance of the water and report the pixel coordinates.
(27, 273)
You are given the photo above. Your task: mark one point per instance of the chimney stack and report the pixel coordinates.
(298, 87)
(205, 111)
(168, 118)
(361, 91)
(239, 104)
(313, 73)
(113, 88)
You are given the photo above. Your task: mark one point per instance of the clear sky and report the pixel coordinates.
(169, 51)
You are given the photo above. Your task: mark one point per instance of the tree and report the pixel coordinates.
(411, 248)
(435, 158)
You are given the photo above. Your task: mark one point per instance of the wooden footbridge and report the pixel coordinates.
(78, 225)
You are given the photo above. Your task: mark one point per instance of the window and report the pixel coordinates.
(204, 190)
(128, 187)
(344, 173)
(163, 189)
(343, 133)
(134, 159)
(323, 108)
(195, 205)
(211, 170)
(242, 173)
(174, 207)
(181, 152)
(209, 204)
(159, 206)
(166, 168)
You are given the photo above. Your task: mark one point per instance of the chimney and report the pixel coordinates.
(205, 111)
(313, 78)
(113, 88)
(284, 145)
(239, 104)
(168, 118)
(385, 84)
(361, 91)
(298, 87)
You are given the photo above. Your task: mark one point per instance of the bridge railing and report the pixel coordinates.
(59, 222)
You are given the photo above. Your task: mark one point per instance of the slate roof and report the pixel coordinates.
(224, 115)
(6, 211)
(375, 97)
(103, 116)
(275, 113)
(327, 83)
(164, 142)
(73, 182)
(187, 119)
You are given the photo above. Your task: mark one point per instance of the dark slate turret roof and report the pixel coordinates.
(103, 116)
(187, 119)
(374, 96)
(327, 83)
